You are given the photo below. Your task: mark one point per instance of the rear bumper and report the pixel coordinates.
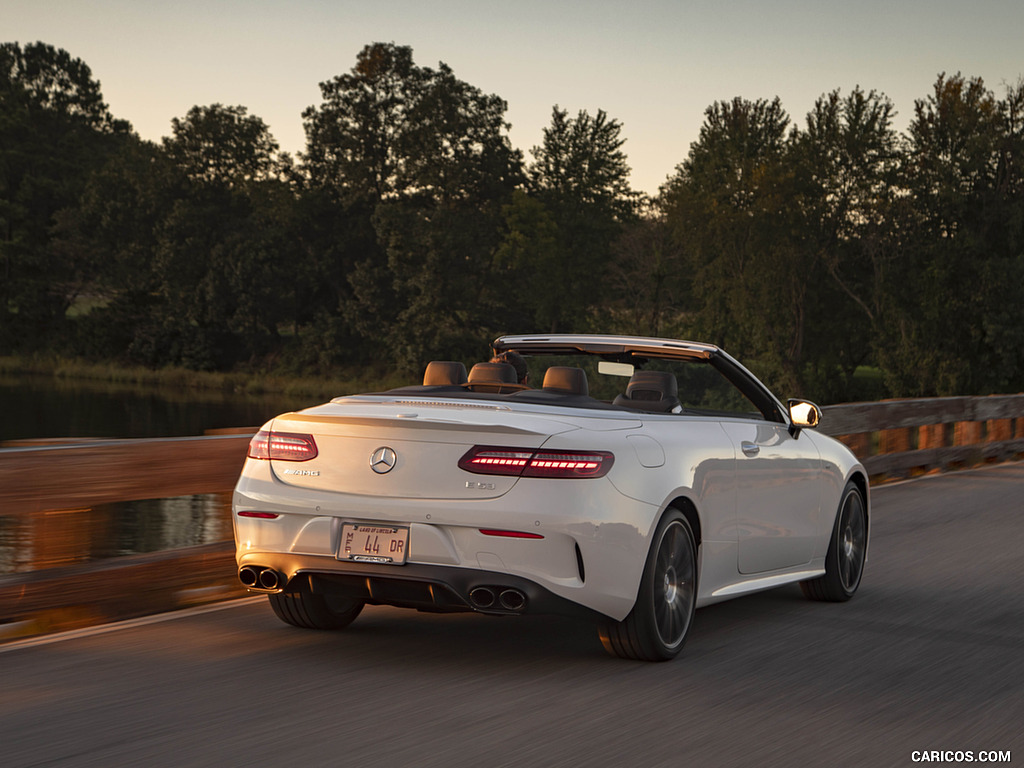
(420, 586)
(590, 552)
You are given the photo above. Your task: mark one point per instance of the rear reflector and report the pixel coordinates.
(282, 446)
(510, 534)
(259, 515)
(528, 462)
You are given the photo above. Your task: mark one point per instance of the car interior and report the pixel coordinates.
(649, 391)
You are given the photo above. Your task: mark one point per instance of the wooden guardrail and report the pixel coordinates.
(51, 487)
(900, 437)
(46, 477)
(892, 438)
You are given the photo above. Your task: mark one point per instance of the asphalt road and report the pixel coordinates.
(928, 656)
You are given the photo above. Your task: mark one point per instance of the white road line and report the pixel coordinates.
(142, 621)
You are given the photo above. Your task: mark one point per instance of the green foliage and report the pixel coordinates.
(55, 131)
(580, 176)
(651, 280)
(836, 257)
(224, 145)
(730, 207)
(522, 287)
(957, 295)
(354, 139)
(816, 251)
(847, 159)
(422, 163)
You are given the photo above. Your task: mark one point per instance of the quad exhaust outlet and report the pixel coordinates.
(500, 599)
(256, 577)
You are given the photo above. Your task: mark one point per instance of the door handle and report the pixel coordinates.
(749, 449)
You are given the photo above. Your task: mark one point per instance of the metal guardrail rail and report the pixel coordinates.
(893, 438)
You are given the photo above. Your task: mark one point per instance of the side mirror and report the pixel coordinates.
(803, 413)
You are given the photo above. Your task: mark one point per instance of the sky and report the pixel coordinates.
(655, 66)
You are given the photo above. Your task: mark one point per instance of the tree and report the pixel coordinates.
(648, 278)
(847, 159)
(354, 138)
(41, 80)
(117, 222)
(350, 165)
(522, 286)
(420, 165)
(440, 234)
(730, 206)
(225, 145)
(580, 175)
(957, 326)
(55, 131)
(228, 269)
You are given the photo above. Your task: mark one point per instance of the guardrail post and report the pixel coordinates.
(931, 436)
(999, 430)
(894, 440)
(967, 433)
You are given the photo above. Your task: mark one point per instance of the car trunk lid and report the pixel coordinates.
(402, 450)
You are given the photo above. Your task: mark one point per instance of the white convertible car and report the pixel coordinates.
(623, 480)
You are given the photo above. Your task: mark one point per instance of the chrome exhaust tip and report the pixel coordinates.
(269, 579)
(512, 600)
(248, 575)
(481, 597)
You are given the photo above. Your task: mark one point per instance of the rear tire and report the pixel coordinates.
(656, 628)
(312, 611)
(847, 551)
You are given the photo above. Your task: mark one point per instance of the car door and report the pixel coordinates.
(778, 498)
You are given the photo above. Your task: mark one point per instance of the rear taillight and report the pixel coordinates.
(529, 462)
(495, 461)
(282, 446)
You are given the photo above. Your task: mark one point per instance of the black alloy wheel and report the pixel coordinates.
(656, 628)
(847, 551)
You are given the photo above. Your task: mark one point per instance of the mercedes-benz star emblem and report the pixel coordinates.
(383, 460)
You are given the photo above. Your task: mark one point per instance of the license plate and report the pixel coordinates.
(368, 543)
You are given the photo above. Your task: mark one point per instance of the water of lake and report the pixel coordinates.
(39, 407)
(44, 407)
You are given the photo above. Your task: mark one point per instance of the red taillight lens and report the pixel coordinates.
(283, 446)
(529, 462)
(590, 464)
(495, 461)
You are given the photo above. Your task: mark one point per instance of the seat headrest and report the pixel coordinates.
(562, 378)
(444, 372)
(652, 385)
(493, 373)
